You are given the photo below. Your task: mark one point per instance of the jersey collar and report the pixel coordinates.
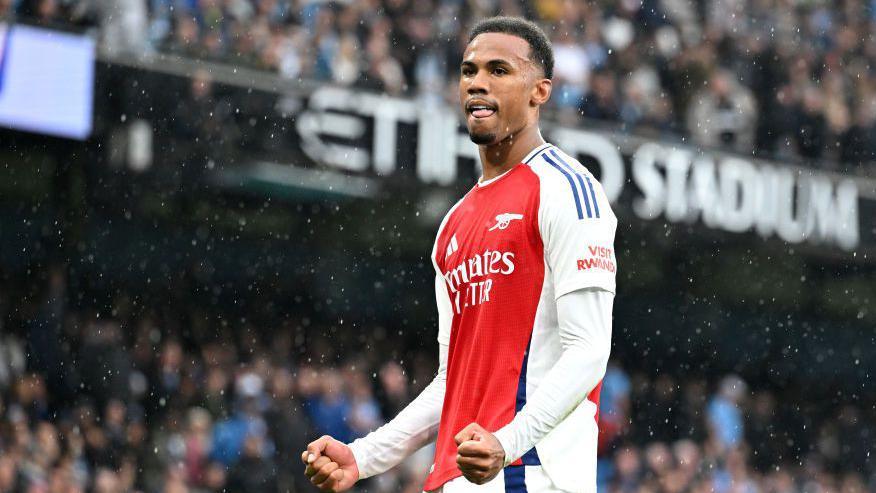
(482, 183)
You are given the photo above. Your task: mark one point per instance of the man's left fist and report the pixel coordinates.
(479, 454)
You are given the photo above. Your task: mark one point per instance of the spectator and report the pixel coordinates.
(198, 445)
(330, 409)
(254, 471)
(601, 102)
(12, 359)
(725, 418)
(289, 428)
(364, 414)
(384, 73)
(572, 68)
(723, 114)
(394, 390)
(811, 124)
(760, 432)
(346, 67)
(124, 24)
(230, 435)
(628, 473)
(858, 142)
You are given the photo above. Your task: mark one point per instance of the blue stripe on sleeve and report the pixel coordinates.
(541, 150)
(530, 458)
(571, 183)
(593, 194)
(578, 176)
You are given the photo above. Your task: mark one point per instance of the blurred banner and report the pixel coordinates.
(46, 81)
(359, 133)
(296, 139)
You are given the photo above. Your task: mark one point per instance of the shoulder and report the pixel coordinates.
(568, 184)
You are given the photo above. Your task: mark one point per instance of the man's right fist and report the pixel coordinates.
(330, 465)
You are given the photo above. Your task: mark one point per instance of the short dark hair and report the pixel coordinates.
(540, 51)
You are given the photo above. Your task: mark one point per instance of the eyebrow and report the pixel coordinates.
(492, 63)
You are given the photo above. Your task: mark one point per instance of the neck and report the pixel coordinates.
(502, 156)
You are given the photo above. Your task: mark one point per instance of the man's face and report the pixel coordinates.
(496, 83)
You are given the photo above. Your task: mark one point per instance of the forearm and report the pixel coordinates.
(414, 427)
(585, 331)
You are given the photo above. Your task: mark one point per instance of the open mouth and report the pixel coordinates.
(479, 108)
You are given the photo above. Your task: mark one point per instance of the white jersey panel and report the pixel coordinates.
(442, 298)
(545, 346)
(576, 222)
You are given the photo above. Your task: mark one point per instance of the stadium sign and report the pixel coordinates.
(678, 183)
(734, 195)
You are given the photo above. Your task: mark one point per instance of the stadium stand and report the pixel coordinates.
(774, 78)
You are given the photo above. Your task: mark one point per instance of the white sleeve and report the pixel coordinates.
(584, 318)
(417, 424)
(578, 233)
(414, 427)
(445, 310)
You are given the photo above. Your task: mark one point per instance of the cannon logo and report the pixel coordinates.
(503, 220)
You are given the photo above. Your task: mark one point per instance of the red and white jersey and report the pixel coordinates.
(503, 255)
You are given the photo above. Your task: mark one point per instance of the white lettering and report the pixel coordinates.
(766, 201)
(677, 167)
(475, 267)
(790, 225)
(703, 195)
(494, 259)
(738, 196)
(738, 177)
(833, 215)
(478, 266)
(649, 180)
(508, 260)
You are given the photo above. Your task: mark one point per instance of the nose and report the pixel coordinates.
(479, 83)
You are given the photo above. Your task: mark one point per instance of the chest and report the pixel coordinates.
(492, 230)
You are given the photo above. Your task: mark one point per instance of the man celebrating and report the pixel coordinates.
(525, 279)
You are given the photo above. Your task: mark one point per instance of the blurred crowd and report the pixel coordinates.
(787, 79)
(143, 398)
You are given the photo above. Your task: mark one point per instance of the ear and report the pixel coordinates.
(541, 92)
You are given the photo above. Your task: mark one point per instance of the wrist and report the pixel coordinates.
(505, 437)
(359, 459)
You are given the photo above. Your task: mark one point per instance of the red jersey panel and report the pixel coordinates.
(490, 235)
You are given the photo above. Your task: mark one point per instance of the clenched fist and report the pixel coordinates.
(479, 454)
(330, 465)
